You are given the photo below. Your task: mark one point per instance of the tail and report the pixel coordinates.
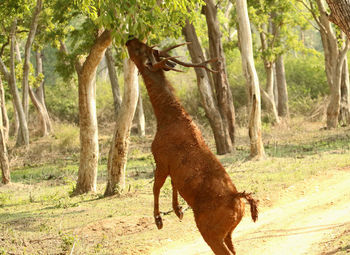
(252, 202)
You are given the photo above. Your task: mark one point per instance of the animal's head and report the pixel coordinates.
(155, 60)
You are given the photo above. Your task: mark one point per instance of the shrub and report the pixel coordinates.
(306, 81)
(62, 101)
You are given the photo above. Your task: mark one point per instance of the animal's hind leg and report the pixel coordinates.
(239, 209)
(159, 179)
(177, 208)
(213, 232)
(228, 242)
(216, 243)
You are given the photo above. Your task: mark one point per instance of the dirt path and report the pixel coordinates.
(305, 217)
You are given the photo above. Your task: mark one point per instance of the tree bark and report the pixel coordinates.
(344, 114)
(139, 115)
(87, 174)
(4, 162)
(118, 152)
(27, 50)
(15, 127)
(340, 14)
(223, 92)
(245, 40)
(221, 132)
(5, 119)
(38, 100)
(114, 80)
(40, 91)
(282, 106)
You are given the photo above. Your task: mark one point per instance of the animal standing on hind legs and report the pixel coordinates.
(179, 150)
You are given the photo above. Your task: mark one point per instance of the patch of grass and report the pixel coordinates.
(67, 137)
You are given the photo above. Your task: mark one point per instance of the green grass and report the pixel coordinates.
(38, 216)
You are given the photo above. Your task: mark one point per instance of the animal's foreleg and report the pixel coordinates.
(177, 208)
(159, 179)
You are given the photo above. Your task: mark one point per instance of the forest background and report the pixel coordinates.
(66, 100)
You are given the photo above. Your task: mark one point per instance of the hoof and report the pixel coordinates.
(179, 213)
(159, 222)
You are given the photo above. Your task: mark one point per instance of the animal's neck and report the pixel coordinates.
(165, 105)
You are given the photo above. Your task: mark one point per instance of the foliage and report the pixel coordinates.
(62, 101)
(280, 22)
(306, 77)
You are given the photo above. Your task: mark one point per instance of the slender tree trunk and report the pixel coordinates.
(114, 80)
(18, 52)
(43, 117)
(5, 119)
(139, 115)
(275, 88)
(268, 96)
(87, 174)
(40, 91)
(23, 133)
(118, 152)
(4, 162)
(221, 132)
(15, 126)
(27, 50)
(38, 100)
(245, 41)
(283, 110)
(344, 116)
(223, 92)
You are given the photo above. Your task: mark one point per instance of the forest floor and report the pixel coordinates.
(303, 188)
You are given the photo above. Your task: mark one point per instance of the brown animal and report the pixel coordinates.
(179, 150)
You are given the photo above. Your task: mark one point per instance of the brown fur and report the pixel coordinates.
(179, 150)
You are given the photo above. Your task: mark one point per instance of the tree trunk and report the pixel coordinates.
(87, 174)
(245, 41)
(15, 127)
(340, 14)
(221, 132)
(27, 50)
(40, 91)
(223, 92)
(4, 162)
(268, 96)
(334, 59)
(23, 133)
(42, 115)
(114, 80)
(344, 115)
(5, 119)
(140, 116)
(283, 110)
(119, 148)
(38, 100)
